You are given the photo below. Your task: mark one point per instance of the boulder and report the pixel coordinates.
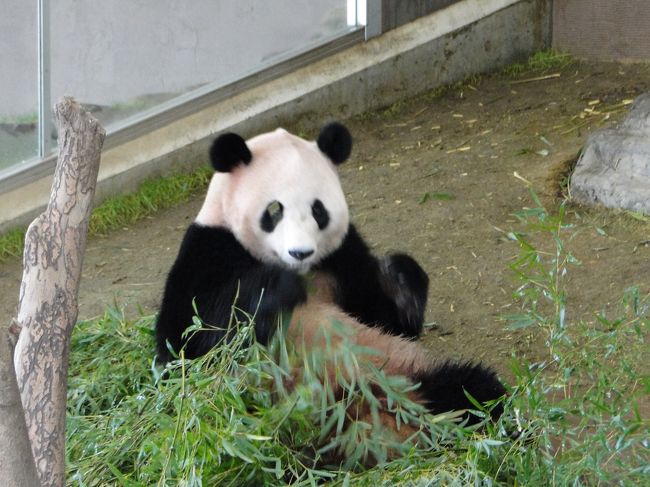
(614, 167)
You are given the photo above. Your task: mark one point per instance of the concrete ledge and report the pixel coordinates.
(468, 37)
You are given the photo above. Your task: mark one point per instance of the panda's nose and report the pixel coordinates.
(300, 254)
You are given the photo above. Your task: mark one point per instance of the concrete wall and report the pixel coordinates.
(469, 37)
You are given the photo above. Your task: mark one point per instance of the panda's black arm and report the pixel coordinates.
(211, 272)
(390, 293)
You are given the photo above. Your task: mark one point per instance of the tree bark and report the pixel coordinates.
(16, 461)
(47, 309)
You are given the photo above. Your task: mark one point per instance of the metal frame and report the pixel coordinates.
(374, 19)
(44, 99)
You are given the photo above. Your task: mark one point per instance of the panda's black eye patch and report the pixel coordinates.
(271, 216)
(320, 214)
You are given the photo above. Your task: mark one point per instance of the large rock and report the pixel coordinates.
(614, 168)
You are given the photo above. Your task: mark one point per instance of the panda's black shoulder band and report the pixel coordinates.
(335, 142)
(228, 151)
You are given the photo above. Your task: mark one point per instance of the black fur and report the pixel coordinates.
(335, 142)
(212, 268)
(407, 284)
(444, 388)
(320, 214)
(270, 219)
(228, 151)
(391, 295)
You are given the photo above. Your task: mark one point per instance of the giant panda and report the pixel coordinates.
(274, 237)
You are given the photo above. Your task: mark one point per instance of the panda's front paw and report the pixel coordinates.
(407, 284)
(284, 290)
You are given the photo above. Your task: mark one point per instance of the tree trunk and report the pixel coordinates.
(16, 461)
(47, 309)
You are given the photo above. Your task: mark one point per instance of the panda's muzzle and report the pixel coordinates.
(300, 254)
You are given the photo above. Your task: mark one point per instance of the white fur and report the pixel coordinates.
(290, 170)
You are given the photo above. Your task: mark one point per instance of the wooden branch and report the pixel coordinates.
(16, 461)
(47, 310)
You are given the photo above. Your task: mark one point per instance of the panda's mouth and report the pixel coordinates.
(299, 267)
(302, 268)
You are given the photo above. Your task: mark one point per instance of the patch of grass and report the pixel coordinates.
(539, 62)
(101, 348)
(436, 196)
(392, 110)
(470, 82)
(226, 418)
(119, 211)
(588, 404)
(580, 417)
(12, 244)
(152, 195)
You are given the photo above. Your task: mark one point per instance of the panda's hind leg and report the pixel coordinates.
(444, 387)
(403, 279)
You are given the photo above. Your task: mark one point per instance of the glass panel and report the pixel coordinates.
(122, 57)
(18, 82)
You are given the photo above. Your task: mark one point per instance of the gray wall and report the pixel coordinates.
(603, 29)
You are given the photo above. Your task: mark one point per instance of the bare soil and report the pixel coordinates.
(461, 148)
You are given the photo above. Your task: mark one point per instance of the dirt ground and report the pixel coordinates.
(462, 149)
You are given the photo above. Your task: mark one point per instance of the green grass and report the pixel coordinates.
(123, 210)
(540, 62)
(12, 244)
(219, 420)
(579, 418)
(152, 195)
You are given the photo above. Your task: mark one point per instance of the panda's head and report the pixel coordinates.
(280, 195)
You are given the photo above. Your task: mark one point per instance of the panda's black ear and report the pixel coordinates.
(335, 142)
(228, 151)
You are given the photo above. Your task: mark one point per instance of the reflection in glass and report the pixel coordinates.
(122, 57)
(18, 83)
